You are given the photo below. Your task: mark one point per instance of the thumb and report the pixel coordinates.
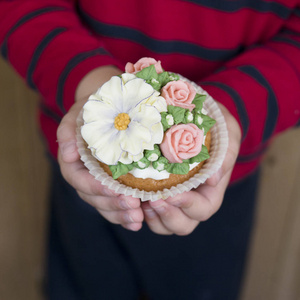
(66, 136)
(234, 142)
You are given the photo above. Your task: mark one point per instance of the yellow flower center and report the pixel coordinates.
(121, 121)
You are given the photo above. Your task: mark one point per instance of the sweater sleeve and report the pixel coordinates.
(49, 47)
(261, 88)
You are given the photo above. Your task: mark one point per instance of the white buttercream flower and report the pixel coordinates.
(122, 119)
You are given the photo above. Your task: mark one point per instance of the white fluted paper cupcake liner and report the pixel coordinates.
(219, 144)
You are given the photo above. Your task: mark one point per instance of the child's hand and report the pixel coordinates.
(117, 209)
(181, 214)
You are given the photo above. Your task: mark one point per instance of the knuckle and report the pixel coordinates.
(60, 133)
(214, 180)
(96, 189)
(187, 202)
(134, 216)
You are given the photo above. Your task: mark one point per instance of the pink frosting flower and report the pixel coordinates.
(142, 64)
(182, 142)
(179, 93)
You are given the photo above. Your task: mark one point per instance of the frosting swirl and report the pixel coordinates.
(182, 142)
(142, 64)
(179, 93)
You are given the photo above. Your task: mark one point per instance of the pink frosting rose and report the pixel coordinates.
(179, 93)
(142, 64)
(182, 141)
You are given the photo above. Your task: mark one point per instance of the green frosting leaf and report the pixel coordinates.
(155, 84)
(188, 117)
(147, 73)
(143, 163)
(173, 77)
(198, 120)
(203, 155)
(198, 101)
(178, 168)
(160, 164)
(164, 121)
(156, 80)
(164, 78)
(177, 112)
(120, 169)
(153, 155)
(208, 123)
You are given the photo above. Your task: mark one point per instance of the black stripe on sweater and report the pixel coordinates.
(38, 52)
(297, 12)
(239, 104)
(287, 40)
(68, 69)
(288, 32)
(272, 106)
(253, 156)
(24, 19)
(261, 6)
(50, 113)
(159, 46)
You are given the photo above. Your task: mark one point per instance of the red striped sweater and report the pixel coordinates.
(245, 53)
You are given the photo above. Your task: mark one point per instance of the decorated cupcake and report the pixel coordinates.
(148, 132)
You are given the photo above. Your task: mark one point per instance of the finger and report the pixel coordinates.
(66, 135)
(79, 177)
(228, 164)
(90, 189)
(195, 206)
(153, 220)
(104, 203)
(173, 218)
(133, 226)
(203, 202)
(234, 138)
(133, 216)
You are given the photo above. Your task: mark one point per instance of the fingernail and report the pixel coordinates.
(133, 226)
(159, 206)
(129, 219)
(124, 204)
(150, 213)
(161, 209)
(129, 203)
(176, 203)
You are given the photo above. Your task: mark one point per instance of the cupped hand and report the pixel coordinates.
(117, 209)
(181, 214)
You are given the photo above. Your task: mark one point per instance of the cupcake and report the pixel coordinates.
(149, 133)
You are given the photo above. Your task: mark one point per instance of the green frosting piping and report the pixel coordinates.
(157, 81)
